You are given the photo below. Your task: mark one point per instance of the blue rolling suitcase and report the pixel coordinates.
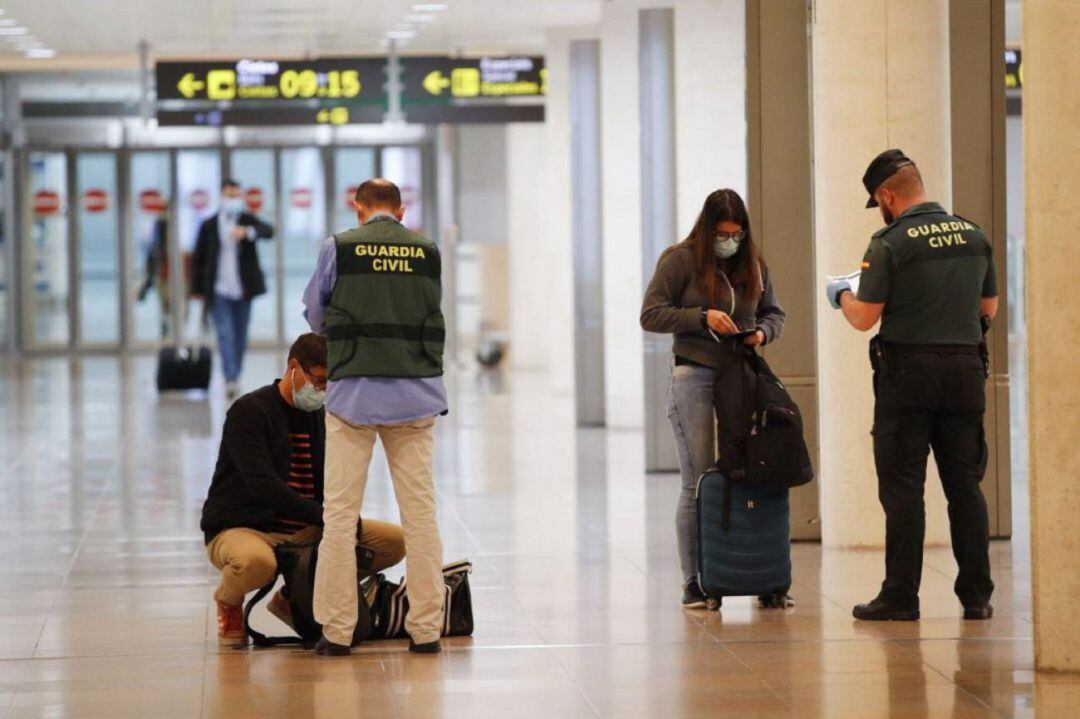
(744, 540)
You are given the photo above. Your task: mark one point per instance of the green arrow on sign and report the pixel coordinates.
(435, 82)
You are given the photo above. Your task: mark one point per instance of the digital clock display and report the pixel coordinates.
(251, 80)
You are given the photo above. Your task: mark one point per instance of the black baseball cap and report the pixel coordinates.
(882, 168)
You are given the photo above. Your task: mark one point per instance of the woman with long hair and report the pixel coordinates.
(713, 293)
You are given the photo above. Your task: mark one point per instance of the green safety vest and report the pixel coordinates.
(383, 319)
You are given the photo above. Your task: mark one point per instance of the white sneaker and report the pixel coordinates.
(232, 391)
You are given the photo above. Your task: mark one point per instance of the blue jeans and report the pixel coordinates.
(708, 411)
(231, 319)
(690, 411)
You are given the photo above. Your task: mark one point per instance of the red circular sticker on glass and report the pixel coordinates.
(300, 197)
(95, 200)
(253, 198)
(46, 202)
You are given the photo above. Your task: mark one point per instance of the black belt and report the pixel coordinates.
(680, 361)
(904, 350)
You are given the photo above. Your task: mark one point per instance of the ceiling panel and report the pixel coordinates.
(225, 28)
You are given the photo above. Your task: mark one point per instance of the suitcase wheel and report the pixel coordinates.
(780, 600)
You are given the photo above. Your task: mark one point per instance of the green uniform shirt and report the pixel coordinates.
(930, 269)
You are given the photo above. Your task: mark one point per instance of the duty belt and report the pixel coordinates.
(904, 350)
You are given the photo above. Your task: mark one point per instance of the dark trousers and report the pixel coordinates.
(932, 401)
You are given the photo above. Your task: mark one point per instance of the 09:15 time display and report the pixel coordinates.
(305, 84)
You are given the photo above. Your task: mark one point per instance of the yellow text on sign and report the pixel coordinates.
(333, 116)
(221, 84)
(465, 82)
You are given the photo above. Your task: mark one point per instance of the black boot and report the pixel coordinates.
(327, 648)
(882, 610)
(978, 611)
(426, 648)
(692, 596)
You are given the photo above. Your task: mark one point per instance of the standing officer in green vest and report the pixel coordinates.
(929, 277)
(375, 296)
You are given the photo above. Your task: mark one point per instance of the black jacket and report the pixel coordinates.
(250, 487)
(208, 246)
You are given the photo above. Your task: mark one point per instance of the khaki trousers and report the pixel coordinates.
(245, 557)
(409, 450)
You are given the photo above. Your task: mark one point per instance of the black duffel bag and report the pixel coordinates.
(773, 453)
(296, 564)
(389, 604)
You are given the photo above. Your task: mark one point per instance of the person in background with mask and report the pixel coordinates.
(227, 276)
(268, 487)
(707, 288)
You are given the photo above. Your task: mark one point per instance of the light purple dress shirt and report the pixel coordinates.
(368, 400)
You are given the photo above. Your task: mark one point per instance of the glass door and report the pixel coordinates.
(97, 237)
(198, 187)
(404, 166)
(352, 165)
(303, 200)
(254, 170)
(149, 196)
(46, 315)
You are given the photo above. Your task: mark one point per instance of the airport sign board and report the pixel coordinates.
(483, 89)
(254, 91)
(343, 90)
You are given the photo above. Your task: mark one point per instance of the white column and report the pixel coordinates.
(532, 265)
(558, 209)
(881, 80)
(710, 103)
(621, 175)
(1051, 154)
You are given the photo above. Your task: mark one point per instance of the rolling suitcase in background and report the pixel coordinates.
(744, 540)
(183, 368)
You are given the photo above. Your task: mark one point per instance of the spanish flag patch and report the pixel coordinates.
(866, 265)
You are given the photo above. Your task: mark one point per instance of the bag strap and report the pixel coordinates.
(258, 638)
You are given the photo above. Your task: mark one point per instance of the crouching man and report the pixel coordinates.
(268, 487)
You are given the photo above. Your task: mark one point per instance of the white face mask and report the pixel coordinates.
(232, 205)
(725, 247)
(307, 398)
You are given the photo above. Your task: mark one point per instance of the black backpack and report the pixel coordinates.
(296, 564)
(773, 453)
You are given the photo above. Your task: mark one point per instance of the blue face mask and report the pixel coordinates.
(307, 398)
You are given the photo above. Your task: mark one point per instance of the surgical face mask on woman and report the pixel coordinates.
(307, 398)
(726, 244)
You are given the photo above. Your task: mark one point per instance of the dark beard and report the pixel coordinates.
(887, 216)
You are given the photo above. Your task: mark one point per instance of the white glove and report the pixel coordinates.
(838, 284)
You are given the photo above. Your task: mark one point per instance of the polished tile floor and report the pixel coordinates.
(105, 605)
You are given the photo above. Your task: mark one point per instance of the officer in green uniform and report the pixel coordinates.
(928, 276)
